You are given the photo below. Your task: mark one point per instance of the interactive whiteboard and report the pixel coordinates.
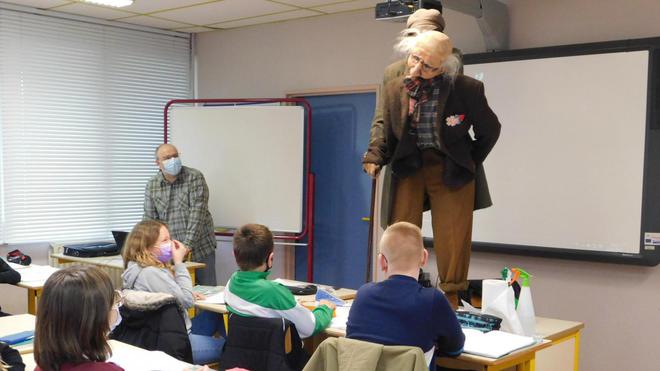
(568, 170)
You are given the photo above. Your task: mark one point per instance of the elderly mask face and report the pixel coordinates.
(430, 52)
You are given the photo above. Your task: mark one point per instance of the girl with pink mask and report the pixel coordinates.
(154, 263)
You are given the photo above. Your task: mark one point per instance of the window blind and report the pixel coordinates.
(80, 116)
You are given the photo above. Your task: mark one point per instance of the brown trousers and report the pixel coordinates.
(451, 213)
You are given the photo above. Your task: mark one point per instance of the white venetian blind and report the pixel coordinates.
(81, 112)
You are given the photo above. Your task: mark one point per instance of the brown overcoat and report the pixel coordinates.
(388, 143)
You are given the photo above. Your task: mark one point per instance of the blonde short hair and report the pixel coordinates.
(402, 245)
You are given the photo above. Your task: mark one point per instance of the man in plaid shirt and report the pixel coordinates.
(178, 195)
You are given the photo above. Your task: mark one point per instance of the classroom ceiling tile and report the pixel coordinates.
(348, 6)
(149, 6)
(267, 19)
(145, 20)
(39, 4)
(93, 11)
(310, 3)
(222, 11)
(195, 29)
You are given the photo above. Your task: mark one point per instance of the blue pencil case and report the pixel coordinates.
(19, 337)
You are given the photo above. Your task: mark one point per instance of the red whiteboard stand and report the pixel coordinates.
(308, 203)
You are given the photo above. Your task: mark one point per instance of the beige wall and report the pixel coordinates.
(330, 51)
(620, 304)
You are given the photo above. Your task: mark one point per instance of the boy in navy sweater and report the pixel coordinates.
(399, 311)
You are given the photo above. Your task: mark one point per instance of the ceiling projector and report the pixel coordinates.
(399, 10)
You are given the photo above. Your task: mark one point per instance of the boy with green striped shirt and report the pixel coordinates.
(249, 293)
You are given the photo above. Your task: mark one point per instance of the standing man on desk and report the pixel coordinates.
(427, 113)
(178, 195)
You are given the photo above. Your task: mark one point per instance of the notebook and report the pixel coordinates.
(494, 344)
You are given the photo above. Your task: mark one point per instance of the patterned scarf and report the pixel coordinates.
(427, 102)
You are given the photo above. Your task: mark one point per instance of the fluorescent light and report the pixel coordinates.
(112, 3)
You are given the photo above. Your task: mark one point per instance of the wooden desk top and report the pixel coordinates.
(33, 285)
(114, 261)
(18, 323)
(555, 329)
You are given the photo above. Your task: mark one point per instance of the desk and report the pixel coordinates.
(560, 331)
(523, 360)
(18, 323)
(129, 357)
(33, 278)
(554, 331)
(114, 266)
(342, 293)
(114, 263)
(33, 294)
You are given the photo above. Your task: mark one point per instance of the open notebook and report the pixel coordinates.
(494, 344)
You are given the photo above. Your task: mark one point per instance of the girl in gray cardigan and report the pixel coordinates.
(154, 262)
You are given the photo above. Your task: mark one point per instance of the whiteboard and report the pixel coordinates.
(567, 171)
(252, 158)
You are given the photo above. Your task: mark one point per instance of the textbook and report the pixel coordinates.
(494, 344)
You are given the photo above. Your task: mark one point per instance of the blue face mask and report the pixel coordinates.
(172, 166)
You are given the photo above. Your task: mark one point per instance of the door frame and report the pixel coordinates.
(375, 230)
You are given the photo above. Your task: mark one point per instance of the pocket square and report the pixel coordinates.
(454, 120)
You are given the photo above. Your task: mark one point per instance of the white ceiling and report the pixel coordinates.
(202, 15)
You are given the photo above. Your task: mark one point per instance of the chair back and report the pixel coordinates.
(256, 343)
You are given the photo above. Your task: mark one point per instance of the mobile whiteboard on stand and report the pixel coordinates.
(255, 156)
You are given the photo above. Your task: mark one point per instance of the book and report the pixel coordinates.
(494, 344)
(18, 338)
(214, 294)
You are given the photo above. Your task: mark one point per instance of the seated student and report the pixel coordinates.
(77, 310)
(148, 256)
(249, 293)
(8, 275)
(399, 311)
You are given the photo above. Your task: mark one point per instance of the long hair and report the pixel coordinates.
(405, 42)
(72, 318)
(452, 66)
(143, 236)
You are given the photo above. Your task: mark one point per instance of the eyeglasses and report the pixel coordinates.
(118, 300)
(425, 67)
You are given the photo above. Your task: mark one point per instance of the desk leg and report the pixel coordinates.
(576, 355)
(525, 363)
(192, 275)
(33, 296)
(525, 366)
(191, 271)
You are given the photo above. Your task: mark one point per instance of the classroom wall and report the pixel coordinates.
(320, 52)
(620, 304)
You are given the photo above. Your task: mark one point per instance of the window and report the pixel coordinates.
(81, 112)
